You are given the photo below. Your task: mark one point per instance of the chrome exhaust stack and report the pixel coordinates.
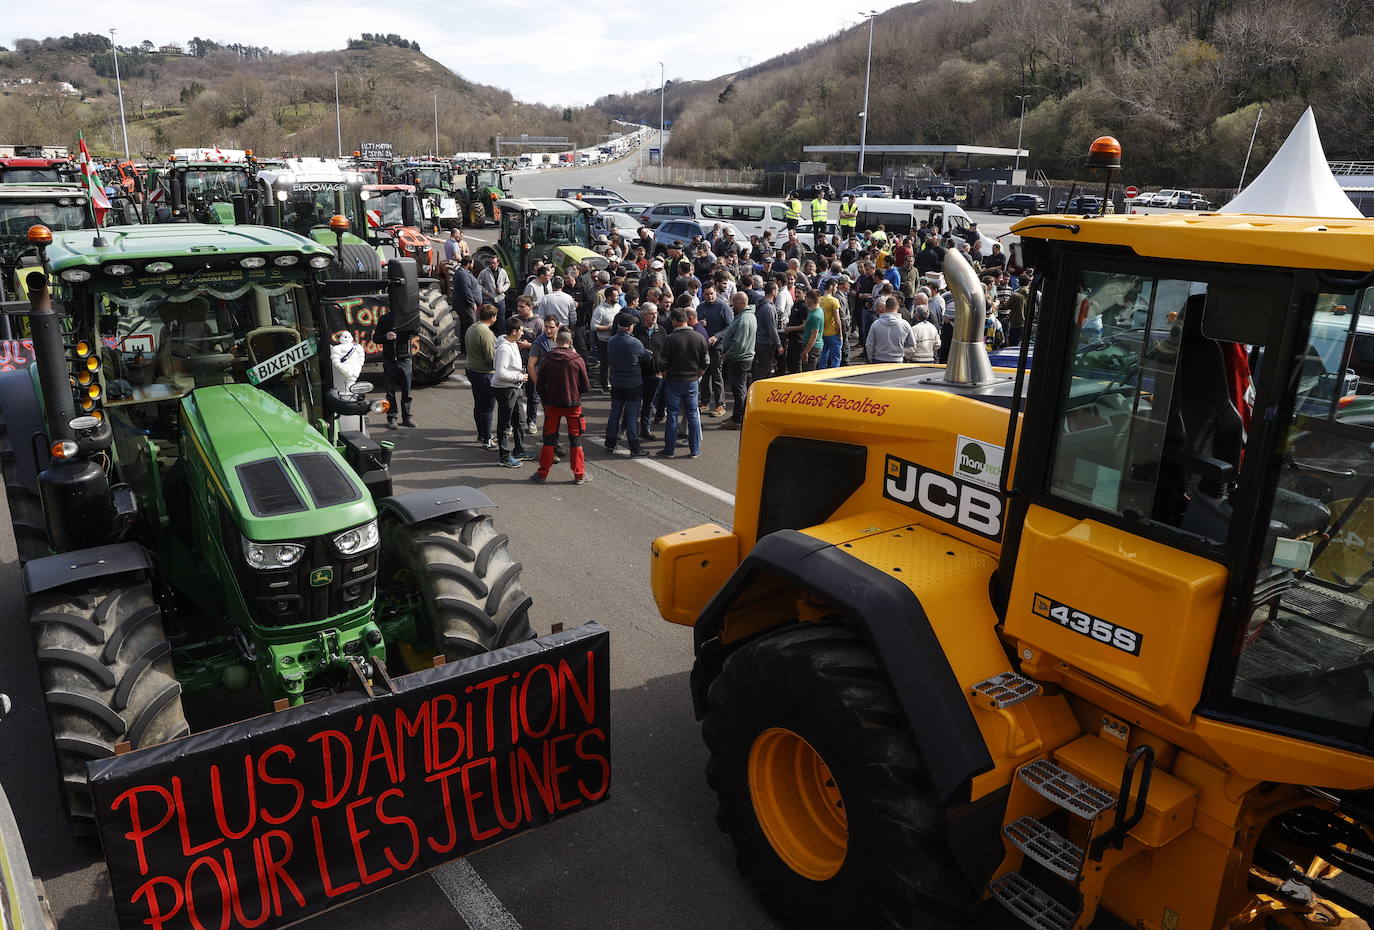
(968, 354)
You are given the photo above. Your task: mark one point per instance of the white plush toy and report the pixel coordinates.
(347, 358)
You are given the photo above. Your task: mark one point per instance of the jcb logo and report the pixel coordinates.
(944, 497)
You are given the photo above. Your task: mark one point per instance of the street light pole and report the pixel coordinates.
(868, 73)
(338, 120)
(1246, 167)
(119, 88)
(662, 90)
(1020, 127)
(436, 122)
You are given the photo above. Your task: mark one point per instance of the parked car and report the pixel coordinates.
(939, 191)
(1158, 198)
(596, 196)
(623, 223)
(1025, 204)
(1187, 200)
(1081, 204)
(660, 213)
(869, 190)
(632, 208)
(681, 232)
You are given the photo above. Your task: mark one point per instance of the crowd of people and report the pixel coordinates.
(671, 339)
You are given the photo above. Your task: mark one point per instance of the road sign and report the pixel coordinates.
(1131, 191)
(654, 156)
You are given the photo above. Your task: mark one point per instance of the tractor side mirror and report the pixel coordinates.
(409, 211)
(403, 293)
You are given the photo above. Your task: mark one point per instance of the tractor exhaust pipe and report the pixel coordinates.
(968, 354)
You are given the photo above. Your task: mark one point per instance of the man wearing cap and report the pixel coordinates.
(628, 360)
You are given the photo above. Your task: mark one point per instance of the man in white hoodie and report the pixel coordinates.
(889, 337)
(508, 374)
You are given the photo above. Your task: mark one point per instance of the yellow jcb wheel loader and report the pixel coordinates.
(1084, 643)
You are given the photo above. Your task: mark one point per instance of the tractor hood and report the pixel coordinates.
(279, 478)
(567, 255)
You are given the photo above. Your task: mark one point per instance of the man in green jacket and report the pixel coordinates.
(480, 346)
(737, 348)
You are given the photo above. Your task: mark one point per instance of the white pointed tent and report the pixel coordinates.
(1297, 181)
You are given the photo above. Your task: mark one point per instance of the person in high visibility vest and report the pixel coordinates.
(820, 215)
(849, 217)
(792, 212)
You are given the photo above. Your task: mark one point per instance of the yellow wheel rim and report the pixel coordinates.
(798, 804)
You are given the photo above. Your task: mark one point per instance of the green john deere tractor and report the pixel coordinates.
(204, 191)
(306, 196)
(542, 229)
(189, 514)
(479, 195)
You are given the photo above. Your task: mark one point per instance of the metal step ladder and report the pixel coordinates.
(1100, 815)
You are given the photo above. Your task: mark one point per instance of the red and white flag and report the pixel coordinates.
(100, 204)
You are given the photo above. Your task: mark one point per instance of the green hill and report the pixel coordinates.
(237, 96)
(1179, 82)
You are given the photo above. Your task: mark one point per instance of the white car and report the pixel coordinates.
(1159, 199)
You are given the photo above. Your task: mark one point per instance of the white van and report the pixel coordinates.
(903, 216)
(751, 217)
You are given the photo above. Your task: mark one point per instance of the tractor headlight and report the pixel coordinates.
(319, 261)
(252, 261)
(272, 554)
(119, 271)
(76, 275)
(358, 539)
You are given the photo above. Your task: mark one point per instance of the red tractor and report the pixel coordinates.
(22, 170)
(392, 215)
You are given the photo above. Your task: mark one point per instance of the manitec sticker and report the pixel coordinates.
(975, 460)
(944, 497)
(1104, 631)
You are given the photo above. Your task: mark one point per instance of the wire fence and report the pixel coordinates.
(744, 180)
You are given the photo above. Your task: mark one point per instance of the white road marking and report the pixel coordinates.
(688, 480)
(471, 897)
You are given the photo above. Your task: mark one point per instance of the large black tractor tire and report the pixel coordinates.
(438, 354)
(356, 262)
(26, 510)
(106, 670)
(477, 214)
(867, 838)
(471, 598)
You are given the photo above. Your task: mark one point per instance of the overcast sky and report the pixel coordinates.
(540, 50)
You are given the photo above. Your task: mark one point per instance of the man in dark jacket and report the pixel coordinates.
(628, 360)
(467, 295)
(767, 342)
(715, 314)
(652, 336)
(684, 359)
(562, 378)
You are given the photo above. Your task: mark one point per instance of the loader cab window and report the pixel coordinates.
(1304, 656)
(1155, 410)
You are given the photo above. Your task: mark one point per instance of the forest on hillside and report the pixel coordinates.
(206, 93)
(1179, 82)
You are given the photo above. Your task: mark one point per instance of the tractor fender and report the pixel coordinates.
(418, 506)
(23, 418)
(56, 571)
(891, 618)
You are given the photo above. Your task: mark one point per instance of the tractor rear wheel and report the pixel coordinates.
(26, 509)
(477, 214)
(438, 353)
(471, 598)
(822, 791)
(107, 677)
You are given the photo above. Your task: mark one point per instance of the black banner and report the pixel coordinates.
(262, 823)
(358, 315)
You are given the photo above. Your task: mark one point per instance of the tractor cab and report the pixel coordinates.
(23, 206)
(551, 230)
(392, 221)
(205, 191)
(20, 170)
(303, 194)
(482, 190)
(1210, 413)
(433, 183)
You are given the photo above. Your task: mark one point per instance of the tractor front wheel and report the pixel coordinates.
(107, 676)
(822, 791)
(477, 214)
(467, 584)
(438, 353)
